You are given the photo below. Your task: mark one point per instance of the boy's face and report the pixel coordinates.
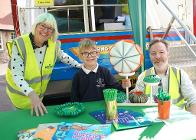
(89, 57)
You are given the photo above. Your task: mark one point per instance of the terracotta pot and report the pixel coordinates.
(138, 97)
(138, 92)
(163, 109)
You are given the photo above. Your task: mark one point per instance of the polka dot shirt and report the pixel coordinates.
(17, 65)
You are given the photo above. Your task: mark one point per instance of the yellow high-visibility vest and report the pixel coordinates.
(36, 78)
(174, 85)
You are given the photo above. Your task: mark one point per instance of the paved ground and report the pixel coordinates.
(5, 103)
(3, 68)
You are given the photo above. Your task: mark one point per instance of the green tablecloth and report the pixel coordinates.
(13, 121)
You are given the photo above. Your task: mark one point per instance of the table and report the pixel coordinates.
(13, 121)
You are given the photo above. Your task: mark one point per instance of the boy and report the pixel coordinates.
(89, 82)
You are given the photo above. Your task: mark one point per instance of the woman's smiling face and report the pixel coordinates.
(43, 32)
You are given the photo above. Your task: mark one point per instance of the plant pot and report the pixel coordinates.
(138, 92)
(163, 109)
(138, 97)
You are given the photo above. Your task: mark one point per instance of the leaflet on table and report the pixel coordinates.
(26, 134)
(46, 131)
(81, 131)
(126, 119)
(66, 131)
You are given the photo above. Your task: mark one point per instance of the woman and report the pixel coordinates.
(33, 57)
(175, 81)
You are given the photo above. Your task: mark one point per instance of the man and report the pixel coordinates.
(175, 81)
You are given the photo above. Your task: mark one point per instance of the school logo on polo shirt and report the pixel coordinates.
(100, 82)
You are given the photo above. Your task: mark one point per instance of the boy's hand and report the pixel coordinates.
(126, 83)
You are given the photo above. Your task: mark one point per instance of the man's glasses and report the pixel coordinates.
(87, 54)
(44, 26)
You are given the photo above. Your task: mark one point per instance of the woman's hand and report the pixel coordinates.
(36, 105)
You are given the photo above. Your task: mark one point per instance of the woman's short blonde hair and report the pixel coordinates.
(48, 19)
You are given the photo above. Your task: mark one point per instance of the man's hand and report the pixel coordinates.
(36, 105)
(192, 109)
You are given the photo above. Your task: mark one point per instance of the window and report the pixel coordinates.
(109, 15)
(67, 2)
(69, 19)
(90, 16)
(1, 41)
(13, 35)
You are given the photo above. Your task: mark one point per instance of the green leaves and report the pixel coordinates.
(152, 79)
(163, 96)
(121, 96)
(110, 94)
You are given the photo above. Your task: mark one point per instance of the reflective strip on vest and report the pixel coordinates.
(9, 64)
(36, 80)
(22, 47)
(33, 81)
(14, 91)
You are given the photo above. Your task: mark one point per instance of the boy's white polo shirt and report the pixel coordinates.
(88, 71)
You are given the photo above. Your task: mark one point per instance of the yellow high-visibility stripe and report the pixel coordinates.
(174, 84)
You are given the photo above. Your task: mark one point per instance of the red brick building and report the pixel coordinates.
(6, 28)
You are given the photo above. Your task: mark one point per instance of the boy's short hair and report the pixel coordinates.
(157, 40)
(87, 43)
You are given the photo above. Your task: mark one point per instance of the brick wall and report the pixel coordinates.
(6, 35)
